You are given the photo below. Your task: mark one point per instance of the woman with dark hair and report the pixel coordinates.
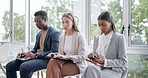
(70, 59)
(109, 58)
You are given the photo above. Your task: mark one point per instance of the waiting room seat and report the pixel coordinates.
(4, 51)
(76, 76)
(124, 74)
(40, 72)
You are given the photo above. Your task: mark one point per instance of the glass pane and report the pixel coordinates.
(19, 27)
(139, 22)
(115, 7)
(4, 21)
(19, 20)
(55, 9)
(138, 66)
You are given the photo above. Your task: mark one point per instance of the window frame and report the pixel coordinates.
(86, 22)
(132, 49)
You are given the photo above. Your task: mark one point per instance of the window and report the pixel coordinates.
(137, 38)
(4, 21)
(55, 10)
(115, 7)
(18, 26)
(139, 22)
(132, 15)
(138, 66)
(19, 20)
(138, 34)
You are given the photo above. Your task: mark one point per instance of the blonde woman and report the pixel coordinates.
(70, 59)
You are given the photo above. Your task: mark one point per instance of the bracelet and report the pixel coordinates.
(69, 57)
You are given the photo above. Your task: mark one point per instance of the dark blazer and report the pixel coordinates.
(51, 42)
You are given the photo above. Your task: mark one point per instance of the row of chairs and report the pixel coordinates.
(40, 74)
(5, 49)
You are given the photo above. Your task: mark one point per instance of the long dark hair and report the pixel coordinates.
(108, 17)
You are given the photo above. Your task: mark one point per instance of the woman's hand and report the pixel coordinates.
(92, 61)
(92, 56)
(61, 56)
(100, 60)
(58, 55)
(51, 55)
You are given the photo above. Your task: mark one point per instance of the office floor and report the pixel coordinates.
(34, 75)
(2, 75)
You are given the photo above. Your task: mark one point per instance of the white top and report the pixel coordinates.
(68, 44)
(78, 49)
(104, 41)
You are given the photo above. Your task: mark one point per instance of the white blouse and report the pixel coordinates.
(104, 41)
(68, 44)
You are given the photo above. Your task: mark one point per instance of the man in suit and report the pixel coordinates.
(47, 41)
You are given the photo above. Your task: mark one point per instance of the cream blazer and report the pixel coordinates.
(78, 49)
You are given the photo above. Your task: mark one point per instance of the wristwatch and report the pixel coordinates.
(36, 56)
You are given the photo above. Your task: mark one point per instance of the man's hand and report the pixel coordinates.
(28, 55)
(31, 55)
(21, 55)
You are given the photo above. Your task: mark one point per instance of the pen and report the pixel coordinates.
(22, 50)
(64, 53)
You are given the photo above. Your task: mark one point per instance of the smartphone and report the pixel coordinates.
(93, 57)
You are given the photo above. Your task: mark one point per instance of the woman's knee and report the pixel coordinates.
(53, 61)
(92, 67)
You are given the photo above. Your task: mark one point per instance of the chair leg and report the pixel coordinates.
(78, 76)
(38, 74)
(1, 67)
(42, 74)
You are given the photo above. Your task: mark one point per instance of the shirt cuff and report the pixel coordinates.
(105, 63)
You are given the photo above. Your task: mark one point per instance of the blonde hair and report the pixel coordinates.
(71, 17)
